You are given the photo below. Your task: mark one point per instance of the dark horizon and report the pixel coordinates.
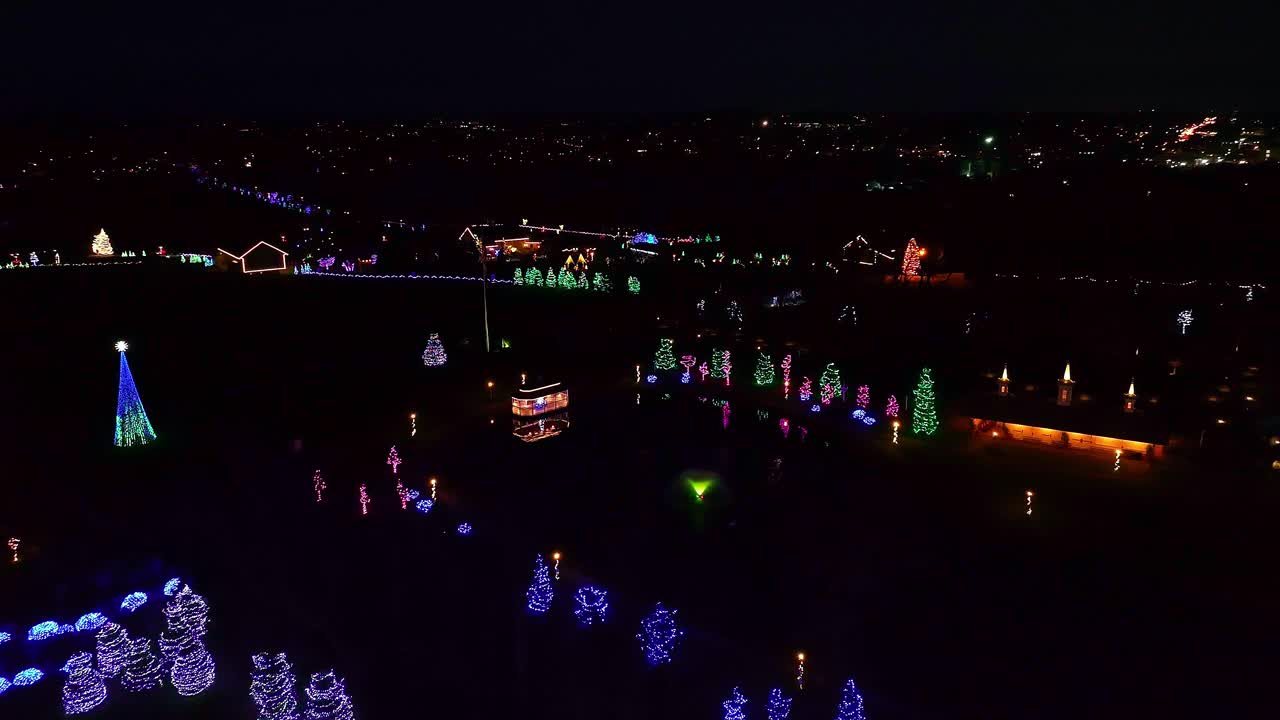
(124, 63)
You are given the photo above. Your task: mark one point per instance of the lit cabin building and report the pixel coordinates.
(539, 413)
(1105, 424)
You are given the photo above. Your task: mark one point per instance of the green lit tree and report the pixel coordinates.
(567, 281)
(633, 285)
(600, 282)
(518, 278)
(764, 369)
(829, 383)
(924, 410)
(717, 364)
(582, 281)
(533, 278)
(551, 277)
(664, 359)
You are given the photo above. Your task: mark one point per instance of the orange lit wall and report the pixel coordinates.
(554, 401)
(1062, 438)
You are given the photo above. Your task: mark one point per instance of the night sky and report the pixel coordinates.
(468, 57)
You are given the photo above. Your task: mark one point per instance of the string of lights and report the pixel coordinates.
(85, 688)
(112, 645)
(591, 605)
(142, 670)
(273, 687)
(541, 591)
(658, 635)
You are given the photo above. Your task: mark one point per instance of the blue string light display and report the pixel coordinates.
(464, 529)
(28, 677)
(193, 669)
(85, 689)
(850, 707)
(4, 685)
(172, 587)
(592, 605)
(132, 425)
(133, 601)
(658, 635)
(65, 629)
(90, 622)
(142, 669)
(43, 631)
(327, 698)
(779, 706)
(5, 637)
(187, 612)
(541, 591)
(424, 505)
(274, 687)
(733, 706)
(112, 644)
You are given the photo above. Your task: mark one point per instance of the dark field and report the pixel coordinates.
(913, 568)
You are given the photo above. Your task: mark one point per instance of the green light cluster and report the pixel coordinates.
(764, 374)
(924, 410)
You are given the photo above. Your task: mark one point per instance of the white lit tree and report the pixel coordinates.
(102, 244)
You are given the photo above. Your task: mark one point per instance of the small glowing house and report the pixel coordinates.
(539, 413)
(261, 258)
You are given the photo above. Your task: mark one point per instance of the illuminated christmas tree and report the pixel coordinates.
(193, 670)
(850, 707)
(551, 278)
(434, 354)
(102, 244)
(142, 669)
(518, 277)
(829, 383)
(567, 281)
(891, 407)
(633, 285)
(733, 706)
(911, 259)
(582, 281)
(187, 613)
(658, 635)
(778, 707)
(600, 282)
(726, 364)
(864, 397)
(533, 278)
(806, 390)
(393, 459)
(273, 687)
(764, 373)
(541, 591)
(924, 411)
(85, 688)
(717, 364)
(664, 359)
(327, 699)
(112, 643)
(132, 425)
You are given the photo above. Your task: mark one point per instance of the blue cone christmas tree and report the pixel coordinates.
(850, 707)
(273, 687)
(132, 425)
(327, 699)
(540, 591)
